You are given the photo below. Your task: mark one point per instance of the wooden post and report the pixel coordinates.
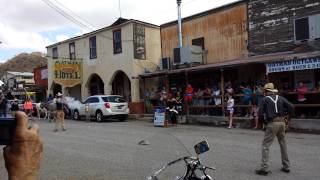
(166, 83)
(143, 94)
(222, 90)
(187, 103)
(267, 78)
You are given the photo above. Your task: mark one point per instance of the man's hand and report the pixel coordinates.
(23, 156)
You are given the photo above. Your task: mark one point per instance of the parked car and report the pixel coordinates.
(101, 106)
(72, 104)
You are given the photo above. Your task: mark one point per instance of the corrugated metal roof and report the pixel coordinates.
(20, 73)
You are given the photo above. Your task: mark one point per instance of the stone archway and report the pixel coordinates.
(121, 85)
(95, 85)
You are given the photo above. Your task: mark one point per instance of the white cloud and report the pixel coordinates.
(13, 38)
(61, 37)
(22, 21)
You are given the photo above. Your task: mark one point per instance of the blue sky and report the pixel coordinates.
(31, 25)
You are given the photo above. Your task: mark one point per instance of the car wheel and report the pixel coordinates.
(76, 115)
(99, 116)
(122, 117)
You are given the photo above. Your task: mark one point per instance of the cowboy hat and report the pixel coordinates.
(270, 87)
(59, 94)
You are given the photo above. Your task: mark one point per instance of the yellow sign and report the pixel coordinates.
(67, 73)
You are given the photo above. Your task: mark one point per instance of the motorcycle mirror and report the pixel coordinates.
(201, 147)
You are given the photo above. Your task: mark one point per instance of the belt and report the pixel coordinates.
(278, 119)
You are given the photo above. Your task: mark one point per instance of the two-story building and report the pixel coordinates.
(105, 61)
(214, 42)
(245, 43)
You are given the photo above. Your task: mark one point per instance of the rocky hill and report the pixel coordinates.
(23, 62)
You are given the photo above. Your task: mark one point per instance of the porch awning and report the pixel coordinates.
(261, 59)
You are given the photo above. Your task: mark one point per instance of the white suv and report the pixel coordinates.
(101, 106)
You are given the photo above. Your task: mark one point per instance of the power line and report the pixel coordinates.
(66, 15)
(74, 14)
(75, 20)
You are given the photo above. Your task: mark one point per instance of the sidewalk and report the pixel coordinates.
(296, 125)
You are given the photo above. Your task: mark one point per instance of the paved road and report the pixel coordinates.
(109, 150)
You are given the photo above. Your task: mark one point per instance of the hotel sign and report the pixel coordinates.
(293, 65)
(67, 73)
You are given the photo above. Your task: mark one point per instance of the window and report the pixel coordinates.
(55, 53)
(302, 29)
(114, 99)
(307, 28)
(117, 46)
(93, 47)
(72, 51)
(27, 77)
(92, 100)
(198, 42)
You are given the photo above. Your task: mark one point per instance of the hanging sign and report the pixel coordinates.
(139, 43)
(293, 65)
(67, 73)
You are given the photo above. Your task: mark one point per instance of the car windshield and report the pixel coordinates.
(114, 99)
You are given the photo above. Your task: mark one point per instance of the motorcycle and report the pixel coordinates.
(195, 170)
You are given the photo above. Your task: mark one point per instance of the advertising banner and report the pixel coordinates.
(139, 42)
(67, 73)
(293, 65)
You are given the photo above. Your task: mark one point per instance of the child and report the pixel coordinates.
(230, 109)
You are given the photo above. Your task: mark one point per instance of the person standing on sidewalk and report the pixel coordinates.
(230, 109)
(14, 106)
(60, 103)
(273, 108)
(3, 104)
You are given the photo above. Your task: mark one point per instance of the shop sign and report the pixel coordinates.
(293, 65)
(44, 74)
(67, 73)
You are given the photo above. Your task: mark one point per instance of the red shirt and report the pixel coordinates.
(301, 93)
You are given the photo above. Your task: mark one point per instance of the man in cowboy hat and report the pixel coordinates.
(59, 112)
(273, 108)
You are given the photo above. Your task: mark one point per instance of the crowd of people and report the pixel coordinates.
(9, 105)
(240, 100)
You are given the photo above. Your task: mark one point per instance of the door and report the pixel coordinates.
(93, 105)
